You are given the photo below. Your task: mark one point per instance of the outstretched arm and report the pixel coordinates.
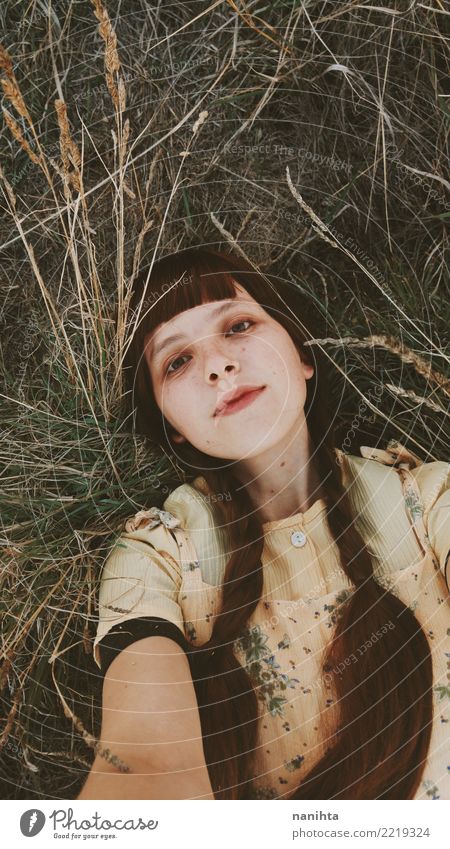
(150, 720)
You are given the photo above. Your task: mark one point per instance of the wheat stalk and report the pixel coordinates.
(390, 344)
(112, 61)
(408, 393)
(14, 96)
(16, 132)
(10, 86)
(121, 139)
(70, 154)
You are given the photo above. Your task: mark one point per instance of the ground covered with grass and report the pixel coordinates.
(312, 138)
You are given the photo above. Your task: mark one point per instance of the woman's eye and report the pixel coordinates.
(170, 370)
(244, 321)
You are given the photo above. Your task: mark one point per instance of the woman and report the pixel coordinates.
(269, 633)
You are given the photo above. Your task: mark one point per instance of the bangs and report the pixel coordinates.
(178, 283)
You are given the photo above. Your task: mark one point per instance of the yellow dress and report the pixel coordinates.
(164, 576)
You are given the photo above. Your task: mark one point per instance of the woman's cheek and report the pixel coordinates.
(269, 349)
(185, 396)
(170, 399)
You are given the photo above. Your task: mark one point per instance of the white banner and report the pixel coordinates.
(202, 825)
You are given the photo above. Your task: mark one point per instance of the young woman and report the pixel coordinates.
(278, 629)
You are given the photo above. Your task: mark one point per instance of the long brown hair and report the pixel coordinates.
(379, 748)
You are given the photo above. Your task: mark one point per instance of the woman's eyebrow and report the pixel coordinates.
(178, 337)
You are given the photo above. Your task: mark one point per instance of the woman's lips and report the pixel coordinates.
(240, 403)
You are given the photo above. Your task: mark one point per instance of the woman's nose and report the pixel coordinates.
(222, 369)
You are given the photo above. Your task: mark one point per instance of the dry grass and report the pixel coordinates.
(117, 147)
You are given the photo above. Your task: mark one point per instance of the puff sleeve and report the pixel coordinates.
(140, 585)
(434, 483)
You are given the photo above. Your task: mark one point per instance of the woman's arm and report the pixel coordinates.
(150, 720)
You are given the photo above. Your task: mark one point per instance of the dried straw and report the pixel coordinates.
(408, 393)
(10, 86)
(16, 132)
(70, 154)
(112, 61)
(390, 344)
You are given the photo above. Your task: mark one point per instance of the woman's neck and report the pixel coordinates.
(284, 480)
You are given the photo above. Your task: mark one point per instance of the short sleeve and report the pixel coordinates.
(141, 578)
(434, 483)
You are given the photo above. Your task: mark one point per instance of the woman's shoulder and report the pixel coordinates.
(194, 502)
(386, 502)
(186, 506)
(191, 507)
(376, 472)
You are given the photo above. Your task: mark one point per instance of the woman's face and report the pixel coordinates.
(219, 352)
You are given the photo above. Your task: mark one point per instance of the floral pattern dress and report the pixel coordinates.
(283, 644)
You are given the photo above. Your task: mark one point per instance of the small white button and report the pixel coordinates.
(298, 539)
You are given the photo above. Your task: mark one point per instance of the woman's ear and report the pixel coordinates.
(177, 437)
(308, 370)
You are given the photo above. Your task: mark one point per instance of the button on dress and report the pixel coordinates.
(298, 539)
